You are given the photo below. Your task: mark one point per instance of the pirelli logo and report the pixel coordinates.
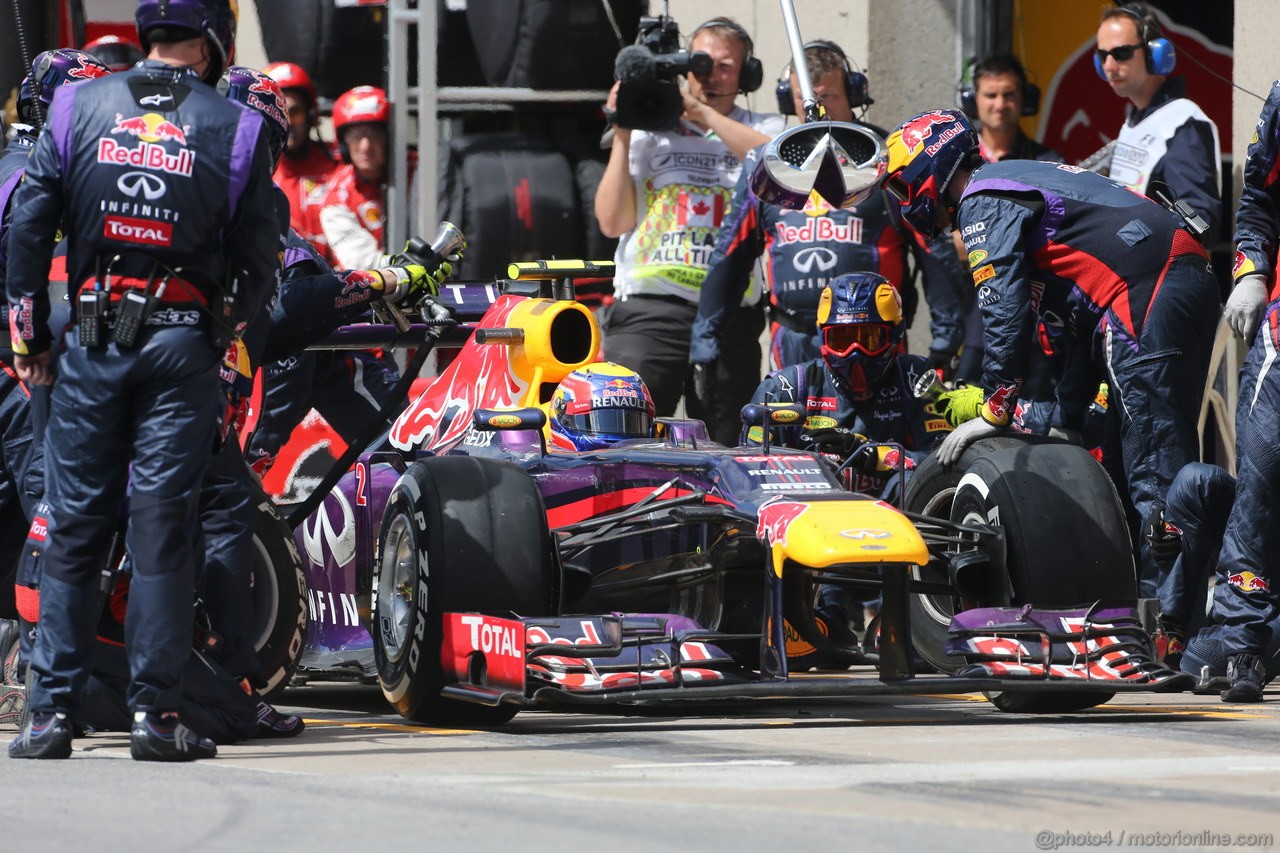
(981, 274)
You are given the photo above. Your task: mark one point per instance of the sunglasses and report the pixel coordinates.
(866, 338)
(1123, 53)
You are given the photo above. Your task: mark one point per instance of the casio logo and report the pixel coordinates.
(133, 184)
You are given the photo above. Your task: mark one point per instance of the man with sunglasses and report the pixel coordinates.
(1167, 143)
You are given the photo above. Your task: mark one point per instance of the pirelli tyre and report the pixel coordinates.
(280, 606)
(1065, 540)
(460, 534)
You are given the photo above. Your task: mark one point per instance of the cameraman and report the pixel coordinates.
(667, 192)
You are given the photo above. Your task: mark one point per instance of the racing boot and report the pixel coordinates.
(272, 723)
(1247, 674)
(46, 735)
(162, 737)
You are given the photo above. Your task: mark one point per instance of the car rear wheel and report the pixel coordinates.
(460, 534)
(279, 599)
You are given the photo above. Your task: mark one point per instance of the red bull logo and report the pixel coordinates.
(1249, 582)
(776, 517)
(85, 71)
(917, 130)
(148, 156)
(151, 127)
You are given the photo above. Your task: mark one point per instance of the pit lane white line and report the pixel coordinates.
(743, 762)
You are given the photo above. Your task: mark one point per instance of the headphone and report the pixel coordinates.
(752, 74)
(967, 93)
(1159, 55)
(856, 87)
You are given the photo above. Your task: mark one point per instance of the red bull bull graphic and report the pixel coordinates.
(916, 131)
(776, 517)
(151, 127)
(85, 71)
(1248, 582)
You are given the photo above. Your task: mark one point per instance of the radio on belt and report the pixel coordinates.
(91, 309)
(134, 309)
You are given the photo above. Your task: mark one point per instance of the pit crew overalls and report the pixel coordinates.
(1247, 605)
(177, 192)
(347, 388)
(803, 250)
(1103, 267)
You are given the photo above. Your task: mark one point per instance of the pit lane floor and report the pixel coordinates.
(916, 773)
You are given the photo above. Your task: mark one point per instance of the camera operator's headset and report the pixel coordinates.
(1158, 53)
(967, 93)
(856, 87)
(752, 74)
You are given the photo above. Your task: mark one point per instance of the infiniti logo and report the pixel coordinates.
(134, 184)
(806, 259)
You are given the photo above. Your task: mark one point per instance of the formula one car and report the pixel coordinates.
(473, 572)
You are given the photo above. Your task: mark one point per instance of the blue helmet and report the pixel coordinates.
(860, 318)
(921, 158)
(259, 92)
(49, 71)
(213, 19)
(596, 405)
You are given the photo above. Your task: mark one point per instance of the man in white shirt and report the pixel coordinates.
(665, 193)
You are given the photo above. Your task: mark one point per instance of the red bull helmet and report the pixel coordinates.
(597, 405)
(49, 71)
(115, 52)
(213, 19)
(860, 318)
(257, 91)
(921, 158)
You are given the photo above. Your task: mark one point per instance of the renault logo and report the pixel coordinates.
(149, 186)
(806, 259)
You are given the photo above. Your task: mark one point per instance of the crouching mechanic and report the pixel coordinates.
(308, 307)
(597, 406)
(857, 394)
(1098, 264)
(136, 393)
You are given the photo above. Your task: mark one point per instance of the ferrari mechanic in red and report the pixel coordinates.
(306, 167)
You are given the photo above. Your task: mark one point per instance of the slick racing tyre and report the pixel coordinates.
(460, 534)
(279, 599)
(1065, 539)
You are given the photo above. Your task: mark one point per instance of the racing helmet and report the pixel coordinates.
(115, 52)
(361, 105)
(860, 318)
(49, 71)
(921, 158)
(256, 91)
(213, 19)
(292, 76)
(596, 405)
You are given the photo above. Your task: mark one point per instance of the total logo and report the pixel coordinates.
(146, 232)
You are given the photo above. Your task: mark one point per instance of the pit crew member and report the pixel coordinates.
(136, 392)
(350, 219)
(805, 249)
(1107, 266)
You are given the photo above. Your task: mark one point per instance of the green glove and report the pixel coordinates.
(962, 404)
(409, 282)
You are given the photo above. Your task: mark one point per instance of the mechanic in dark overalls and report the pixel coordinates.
(310, 304)
(174, 243)
(21, 465)
(856, 394)
(805, 249)
(1246, 599)
(1103, 266)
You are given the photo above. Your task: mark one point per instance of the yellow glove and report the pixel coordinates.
(962, 404)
